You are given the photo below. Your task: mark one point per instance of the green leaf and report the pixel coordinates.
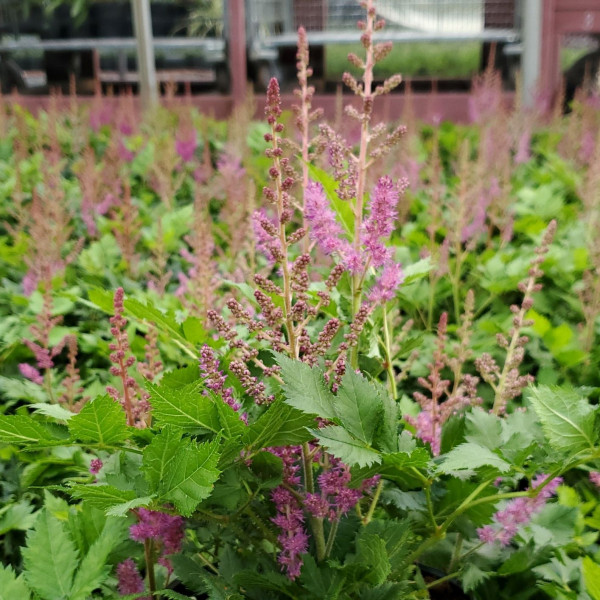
(567, 418)
(159, 455)
(417, 270)
(387, 435)
(121, 510)
(50, 559)
(195, 576)
(102, 421)
(178, 378)
(101, 496)
(359, 406)
(345, 447)
(468, 457)
(165, 323)
(591, 576)
(280, 425)
(56, 411)
(16, 516)
(11, 586)
(305, 389)
(184, 407)
(102, 299)
(18, 429)
(181, 471)
(372, 554)
(93, 569)
(472, 576)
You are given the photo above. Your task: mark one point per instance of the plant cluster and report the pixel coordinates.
(299, 359)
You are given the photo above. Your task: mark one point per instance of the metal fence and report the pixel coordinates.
(275, 17)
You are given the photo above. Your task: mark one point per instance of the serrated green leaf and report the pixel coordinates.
(184, 407)
(372, 554)
(359, 406)
(121, 510)
(11, 586)
(468, 457)
(178, 378)
(591, 576)
(567, 418)
(16, 516)
(93, 569)
(56, 411)
(101, 496)
(159, 456)
(305, 389)
(102, 420)
(397, 466)
(50, 559)
(181, 471)
(280, 425)
(19, 429)
(102, 299)
(195, 576)
(163, 322)
(417, 270)
(387, 435)
(345, 447)
(472, 576)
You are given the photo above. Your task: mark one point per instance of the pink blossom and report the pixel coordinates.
(125, 154)
(162, 527)
(95, 465)
(523, 149)
(324, 228)
(31, 373)
(518, 512)
(595, 478)
(293, 538)
(130, 580)
(215, 379)
(385, 287)
(383, 206)
(186, 147)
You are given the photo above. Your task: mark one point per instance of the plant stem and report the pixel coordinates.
(149, 557)
(367, 518)
(361, 164)
(331, 538)
(316, 524)
(443, 579)
(388, 355)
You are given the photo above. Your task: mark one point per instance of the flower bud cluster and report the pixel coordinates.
(518, 512)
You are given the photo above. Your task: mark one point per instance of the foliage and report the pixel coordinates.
(378, 381)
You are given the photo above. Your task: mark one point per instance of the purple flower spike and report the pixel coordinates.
(186, 148)
(379, 225)
(385, 287)
(130, 580)
(31, 373)
(595, 478)
(324, 228)
(518, 512)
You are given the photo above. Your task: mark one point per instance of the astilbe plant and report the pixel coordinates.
(133, 399)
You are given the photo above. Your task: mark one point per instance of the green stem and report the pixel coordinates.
(443, 579)
(367, 518)
(149, 557)
(388, 355)
(331, 538)
(316, 524)
(456, 553)
(430, 507)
